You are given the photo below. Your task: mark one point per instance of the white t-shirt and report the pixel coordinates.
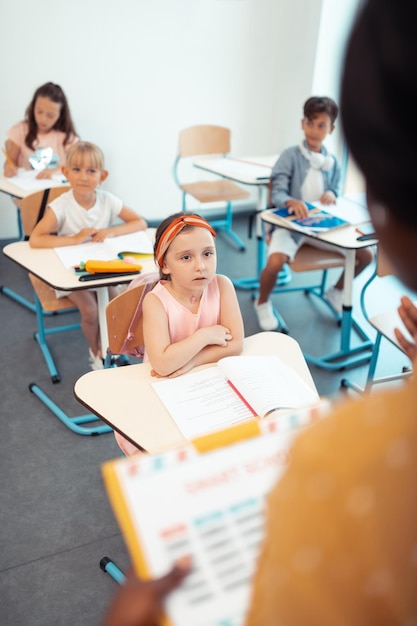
(313, 185)
(72, 217)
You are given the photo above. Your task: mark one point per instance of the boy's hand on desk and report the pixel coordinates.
(140, 603)
(297, 208)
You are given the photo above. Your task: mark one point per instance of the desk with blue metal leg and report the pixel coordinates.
(346, 240)
(45, 265)
(19, 187)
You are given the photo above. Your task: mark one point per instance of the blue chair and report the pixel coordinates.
(45, 302)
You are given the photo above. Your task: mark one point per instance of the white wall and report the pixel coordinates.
(137, 71)
(335, 24)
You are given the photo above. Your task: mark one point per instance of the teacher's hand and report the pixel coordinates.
(140, 603)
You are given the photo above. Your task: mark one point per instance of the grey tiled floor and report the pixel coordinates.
(55, 520)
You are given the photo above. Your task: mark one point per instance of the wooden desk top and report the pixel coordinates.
(45, 264)
(124, 398)
(25, 184)
(345, 237)
(246, 170)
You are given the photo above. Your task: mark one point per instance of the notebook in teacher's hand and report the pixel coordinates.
(210, 507)
(318, 219)
(107, 250)
(236, 389)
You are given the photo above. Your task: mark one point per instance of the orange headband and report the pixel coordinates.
(172, 231)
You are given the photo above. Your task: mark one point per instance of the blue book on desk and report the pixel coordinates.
(318, 220)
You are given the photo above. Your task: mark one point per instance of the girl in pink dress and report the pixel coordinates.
(192, 315)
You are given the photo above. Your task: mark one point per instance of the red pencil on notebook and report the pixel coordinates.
(245, 402)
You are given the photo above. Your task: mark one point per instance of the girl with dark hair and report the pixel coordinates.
(43, 138)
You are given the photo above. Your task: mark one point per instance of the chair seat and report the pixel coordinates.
(215, 191)
(309, 258)
(48, 298)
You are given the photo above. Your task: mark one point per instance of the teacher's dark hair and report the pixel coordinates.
(378, 103)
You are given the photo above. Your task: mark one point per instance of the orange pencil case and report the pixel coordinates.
(108, 267)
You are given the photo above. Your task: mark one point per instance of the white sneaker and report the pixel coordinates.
(335, 298)
(96, 362)
(265, 314)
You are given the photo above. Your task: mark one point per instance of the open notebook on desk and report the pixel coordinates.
(208, 506)
(111, 248)
(235, 390)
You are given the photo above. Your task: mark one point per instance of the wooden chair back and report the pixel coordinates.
(119, 314)
(124, 318)
(204, 139)
(33, 206)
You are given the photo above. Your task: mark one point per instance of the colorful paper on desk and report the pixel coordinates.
(318, 220)
(234, 390)
(107, 250)
(210, 507)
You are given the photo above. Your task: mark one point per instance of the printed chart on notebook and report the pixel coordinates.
(212, 509)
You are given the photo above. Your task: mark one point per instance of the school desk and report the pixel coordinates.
(256, 172)
(45, 264)
(24, 184)
(123, 397)
(346, 239)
